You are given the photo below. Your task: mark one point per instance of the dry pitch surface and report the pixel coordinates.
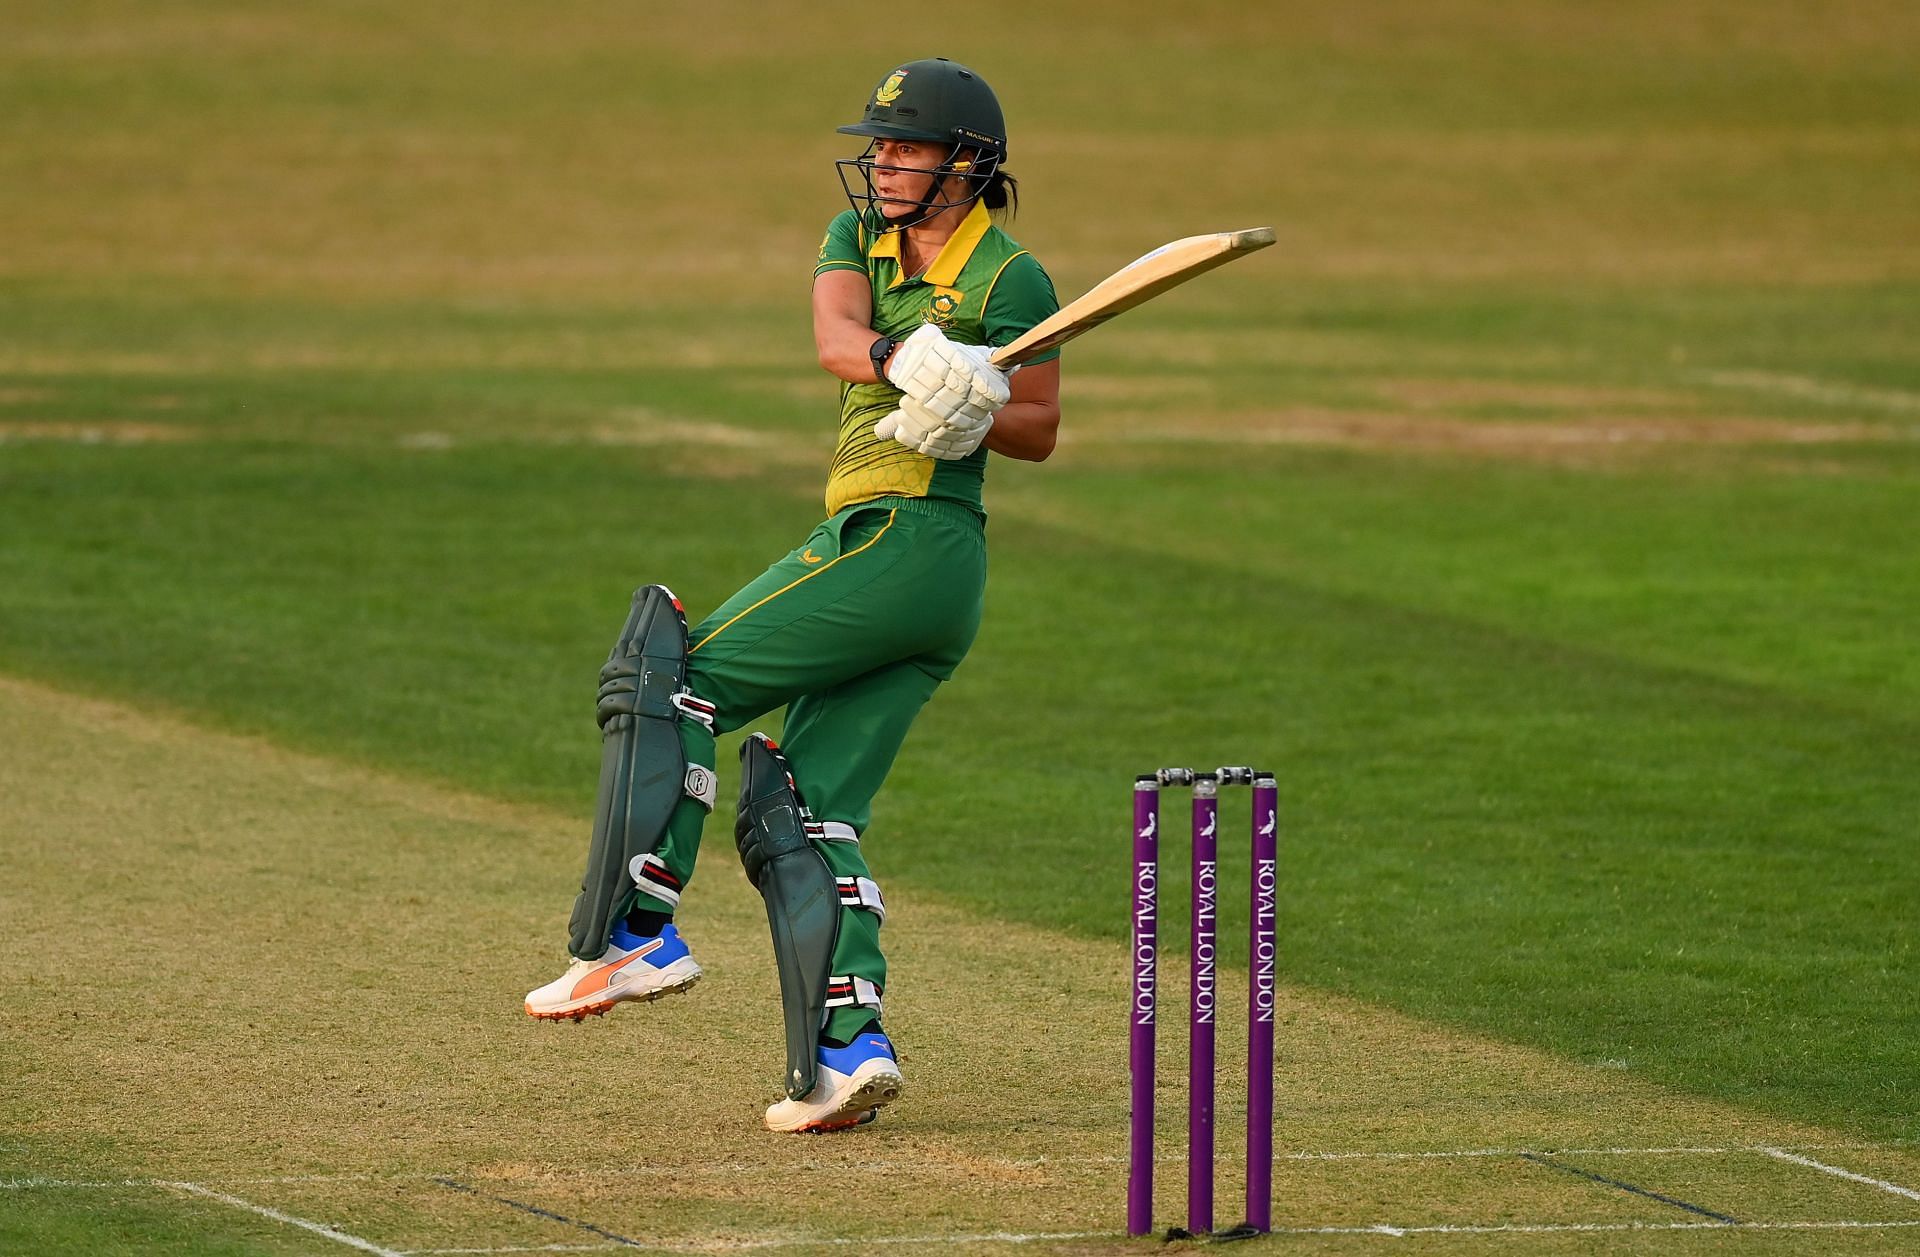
(305, 1019)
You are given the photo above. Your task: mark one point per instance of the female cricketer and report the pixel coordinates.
(851, 632)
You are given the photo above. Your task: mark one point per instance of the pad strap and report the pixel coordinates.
(651, 875)
(845, 992)
(861, 892)
(701, 786)
(695, 709)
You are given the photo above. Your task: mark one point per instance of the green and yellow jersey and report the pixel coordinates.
(983, 289)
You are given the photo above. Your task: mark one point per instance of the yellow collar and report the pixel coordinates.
(953, 254)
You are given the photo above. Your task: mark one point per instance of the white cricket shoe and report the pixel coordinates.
(633, 968)
(854, 1082)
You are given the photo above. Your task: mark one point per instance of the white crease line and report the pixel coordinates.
(318, 1228)
(1675, 1150)
(809, 1165)
(1007, 1237)
(798, 1241)
(1173, 1157)
(1554, 1228)
(1837, 1172)
(986, 1237)
(1504, 1152)
(37, 1181)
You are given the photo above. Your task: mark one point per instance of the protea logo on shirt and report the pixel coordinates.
(890, 90)
(944, 307)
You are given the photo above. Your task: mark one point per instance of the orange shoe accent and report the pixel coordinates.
(576, 1015)
(822, 1128)
(602, 1007)
(597, 979)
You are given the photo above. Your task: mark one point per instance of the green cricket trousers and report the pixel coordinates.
(851, 633)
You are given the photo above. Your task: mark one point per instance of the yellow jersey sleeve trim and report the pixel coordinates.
(840, 264)
(870, 543)
(994, 282)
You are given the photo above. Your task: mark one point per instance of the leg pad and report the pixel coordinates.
(643, 771)
(776, 836)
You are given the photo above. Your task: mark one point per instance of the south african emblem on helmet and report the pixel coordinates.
(890, 90)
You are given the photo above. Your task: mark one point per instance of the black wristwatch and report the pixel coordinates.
(878, 351)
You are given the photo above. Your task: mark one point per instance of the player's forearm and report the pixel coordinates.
(844, 346)
(1025, 430)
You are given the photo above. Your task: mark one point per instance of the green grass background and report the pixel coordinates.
(1616, 755)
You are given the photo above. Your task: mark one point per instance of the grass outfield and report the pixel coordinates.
(1539, 508)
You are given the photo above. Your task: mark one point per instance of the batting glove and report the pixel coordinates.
(951, 379)
(920, 429)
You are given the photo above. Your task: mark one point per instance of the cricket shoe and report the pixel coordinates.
(633, 968)
(854, 1082)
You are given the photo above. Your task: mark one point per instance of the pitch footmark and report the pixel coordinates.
(1677, 1203)
(538, 1212)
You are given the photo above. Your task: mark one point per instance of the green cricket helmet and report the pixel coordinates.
(939, 101)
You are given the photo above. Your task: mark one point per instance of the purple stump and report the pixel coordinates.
(1202, 1005)
(1262, 956)
(1140, 999)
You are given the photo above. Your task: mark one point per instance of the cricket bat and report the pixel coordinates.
(1147, 277)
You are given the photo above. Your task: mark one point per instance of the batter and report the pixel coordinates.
(854, 629)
